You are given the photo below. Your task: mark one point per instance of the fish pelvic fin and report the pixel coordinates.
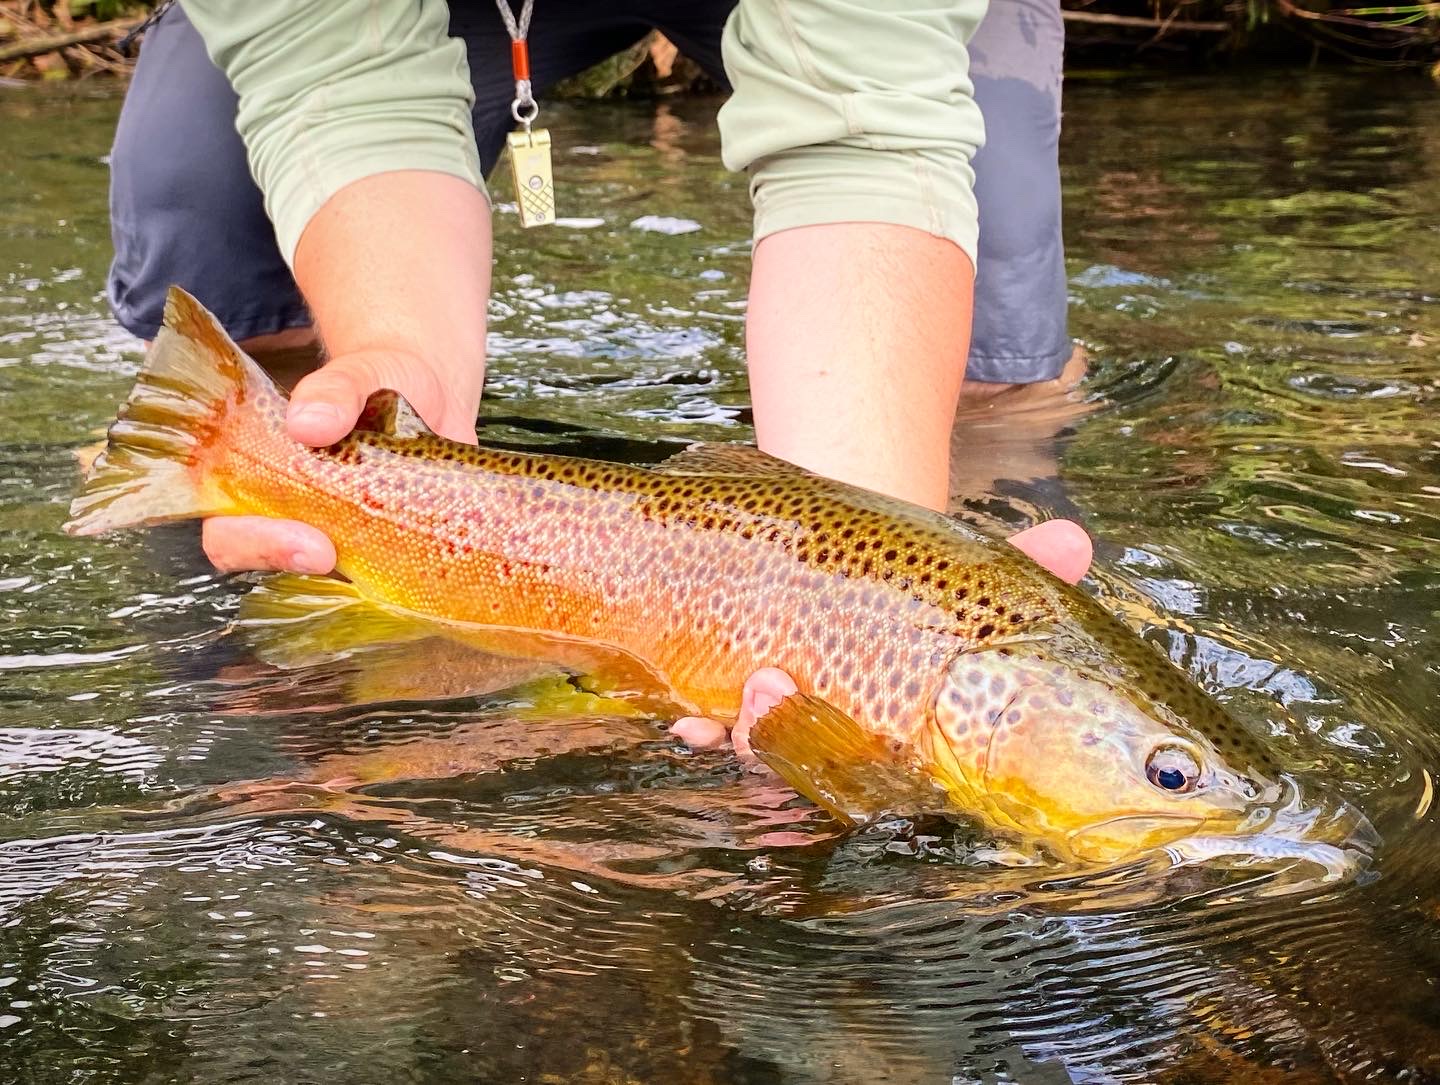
(835, 763)
(153, 467)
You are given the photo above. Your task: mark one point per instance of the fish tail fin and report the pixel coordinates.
(174, 425)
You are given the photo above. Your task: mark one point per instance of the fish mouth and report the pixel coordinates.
(1335, 862)
(1338, 843)
(1338, 839)
(1088, 843)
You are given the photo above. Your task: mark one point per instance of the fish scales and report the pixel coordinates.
(707, 576)
(935, 668)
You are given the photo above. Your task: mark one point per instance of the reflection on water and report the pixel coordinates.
(215, 864)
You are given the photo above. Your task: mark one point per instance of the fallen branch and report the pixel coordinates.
(29, 47)
(1148, 24)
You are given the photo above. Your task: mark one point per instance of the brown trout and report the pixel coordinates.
(939, 670)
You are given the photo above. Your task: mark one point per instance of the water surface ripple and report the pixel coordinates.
(400, 865)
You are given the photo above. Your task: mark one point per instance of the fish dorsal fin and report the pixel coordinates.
(835, 763)
(388, 412)
(726, 459)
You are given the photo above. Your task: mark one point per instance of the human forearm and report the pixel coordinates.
(857, 336)
(396, 269)
(356, 120)
(856, 125)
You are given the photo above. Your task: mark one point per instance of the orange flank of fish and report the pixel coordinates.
(705, 576)
(919, 647)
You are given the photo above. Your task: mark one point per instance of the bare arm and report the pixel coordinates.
(396, 269)
(857, 337)
(856, 124)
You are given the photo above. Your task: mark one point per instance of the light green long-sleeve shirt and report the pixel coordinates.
(843, 110)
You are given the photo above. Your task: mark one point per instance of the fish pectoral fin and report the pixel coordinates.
(390, 413)
(835, 763)
(297, 621)
(718, 458)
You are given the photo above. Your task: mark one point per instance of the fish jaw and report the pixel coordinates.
(1116, 838)
(1062, 757)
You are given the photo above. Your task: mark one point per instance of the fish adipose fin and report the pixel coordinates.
(193, 377)
(718, 458)
(835, 763)
(390, 413)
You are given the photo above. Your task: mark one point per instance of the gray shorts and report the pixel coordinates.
(184, 209)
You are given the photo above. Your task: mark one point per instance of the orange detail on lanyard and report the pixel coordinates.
(520, 58)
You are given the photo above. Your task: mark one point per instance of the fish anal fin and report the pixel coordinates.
(825, 755)
(390, 413)
(295, 621)
(718, 458)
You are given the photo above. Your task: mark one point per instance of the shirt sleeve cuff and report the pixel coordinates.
(823, 184)
(292, 201)
(334, 92)
(854, 111)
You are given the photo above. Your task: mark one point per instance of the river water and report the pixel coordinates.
(219, 863)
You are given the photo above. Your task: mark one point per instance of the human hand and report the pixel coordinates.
(1062, 546)
(323, 409)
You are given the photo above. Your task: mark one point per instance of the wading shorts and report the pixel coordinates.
(185, 210)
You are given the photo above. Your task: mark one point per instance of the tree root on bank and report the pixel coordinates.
(40, 39)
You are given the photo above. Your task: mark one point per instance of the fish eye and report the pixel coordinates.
(1172, 769)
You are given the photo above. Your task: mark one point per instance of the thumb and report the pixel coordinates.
(326, 404)
(1062, 546)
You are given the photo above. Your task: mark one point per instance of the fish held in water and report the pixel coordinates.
(939, 670)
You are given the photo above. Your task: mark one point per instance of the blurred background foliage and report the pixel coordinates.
(63, 39)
